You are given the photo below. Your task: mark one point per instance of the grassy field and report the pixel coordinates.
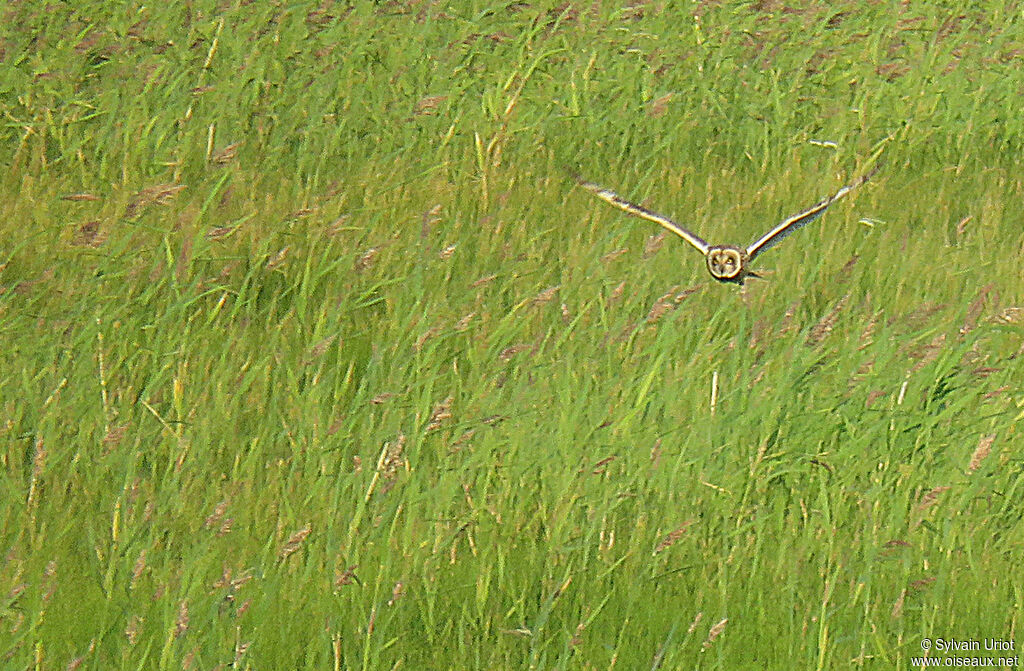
(315, 357)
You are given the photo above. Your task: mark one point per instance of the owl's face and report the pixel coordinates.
(726, 263)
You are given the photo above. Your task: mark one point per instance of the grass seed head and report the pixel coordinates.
(226, 155)
(509, 352)
(927, 353)
(714, 633)
(981, 452)
(428, 105)
(483, 280)
(140, 566)
(616, 293)
(654, 244)
(425, 336)
(365, 259)
(823, 328)
(546, 295)
(181, 623)
(391, 463)
(611, 256)
(295, 542)
(975, 309)
(277, 259)
(931, 497)
(672, 537)
(442, 411)
(659, 106)
(88, 235)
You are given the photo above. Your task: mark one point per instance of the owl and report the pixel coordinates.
(727, 263)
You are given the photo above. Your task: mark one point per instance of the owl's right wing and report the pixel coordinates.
(613, 198)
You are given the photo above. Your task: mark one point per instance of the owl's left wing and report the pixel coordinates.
(797, 221)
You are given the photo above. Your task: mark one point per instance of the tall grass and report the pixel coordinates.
(316, 358)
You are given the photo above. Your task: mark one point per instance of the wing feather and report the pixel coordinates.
(798, 221)
(614, 199)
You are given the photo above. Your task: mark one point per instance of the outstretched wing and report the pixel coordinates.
(613, 198)
(797, 221)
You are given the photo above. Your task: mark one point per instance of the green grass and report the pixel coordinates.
(379, 388)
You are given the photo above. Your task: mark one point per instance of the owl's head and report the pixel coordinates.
(727, 263)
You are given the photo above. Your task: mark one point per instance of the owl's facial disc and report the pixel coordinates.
(725, 263)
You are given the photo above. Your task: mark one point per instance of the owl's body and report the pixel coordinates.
(726, 263)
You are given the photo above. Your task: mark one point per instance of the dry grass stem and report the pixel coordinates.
(220, 232)
(897, 607)
(788, 319)
(662, 306)
(843, 276)
(428, 219)
(338, 225)
(140, 566)
(917, 318)
(397, 592)
(873, 396)
(131, 631)
(113, 438)
(867, 336)
(346, 576)
(320, 348)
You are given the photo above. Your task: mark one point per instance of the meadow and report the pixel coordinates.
(316, 357)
